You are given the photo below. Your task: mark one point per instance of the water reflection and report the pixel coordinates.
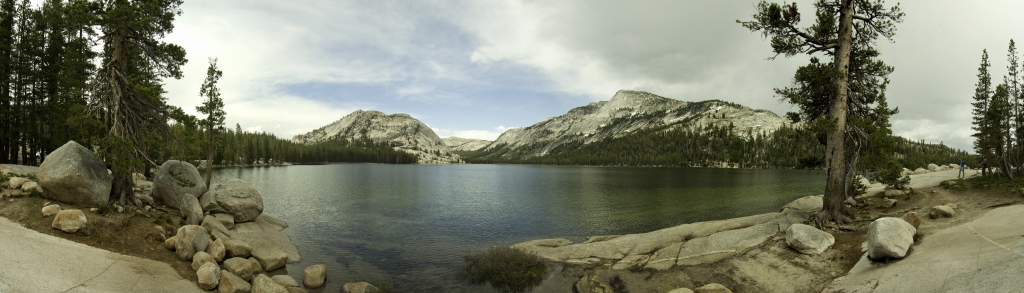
(410, 225)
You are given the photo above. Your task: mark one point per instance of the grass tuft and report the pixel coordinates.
(507, 269)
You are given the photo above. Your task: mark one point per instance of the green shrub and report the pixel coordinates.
(507, 269)
(892, 176)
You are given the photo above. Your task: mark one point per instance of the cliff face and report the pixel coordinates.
(399, 130)
(459, 144)
(626, 112)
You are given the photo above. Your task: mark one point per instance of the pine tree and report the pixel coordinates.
(983, 135)
(129, 85)
(832, 34)
(1012, 81)
(213, 107)
(999, 118)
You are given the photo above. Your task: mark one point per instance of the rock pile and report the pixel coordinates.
(236, 264)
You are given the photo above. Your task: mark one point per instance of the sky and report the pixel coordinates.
(473, 68)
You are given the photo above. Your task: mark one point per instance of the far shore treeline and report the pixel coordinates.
(711, 146)
(55, 87)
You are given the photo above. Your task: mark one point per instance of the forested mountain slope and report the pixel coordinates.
(400, 131)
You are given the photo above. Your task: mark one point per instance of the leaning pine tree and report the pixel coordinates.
(842, 27)
(128, 86)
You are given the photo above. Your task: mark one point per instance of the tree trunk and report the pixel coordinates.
(834, 207)
(209, 154)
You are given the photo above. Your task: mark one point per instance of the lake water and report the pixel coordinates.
(411, 225)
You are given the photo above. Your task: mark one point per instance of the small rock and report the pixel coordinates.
(681, 290)
(851, 201)
(313, 276)
(285, 280)
(225, 219)
(50, 210)
(169, 243)
(889, 237)
(942, 212)
(119, 208)
(808, 240)
(230, 283)
(262, 283)
(237, 248)
(951, 205)
(69, 221)
(216, 250)
(201, 258)
(256, 266)
(94, 209)
(16, 182)
(360, 287)
(190, 210)
(913, 219)
(208, 275)
(894, 192)
(240, 267)
(160, 229)
(217, 234)
(191, 239)
(270, 258)
(712, 288)
(887, 203)
(211, 223)
(30, 186)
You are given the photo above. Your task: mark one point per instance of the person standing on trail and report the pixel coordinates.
(962, 174)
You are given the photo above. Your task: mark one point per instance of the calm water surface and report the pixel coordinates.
(410, 225)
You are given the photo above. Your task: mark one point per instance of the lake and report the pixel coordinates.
(411, 225)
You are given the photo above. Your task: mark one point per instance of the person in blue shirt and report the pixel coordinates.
(962, 174)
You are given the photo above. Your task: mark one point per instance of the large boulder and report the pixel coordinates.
(230, 283)
(313, 276)
(808, 240)
(933, 167)
(889, 237)
(208, 276)
(73, 174)
(190, 210)
(191, 239)
(69, 221)
(234, 197)
(174, 180)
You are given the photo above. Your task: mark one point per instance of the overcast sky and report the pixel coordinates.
(475, 68)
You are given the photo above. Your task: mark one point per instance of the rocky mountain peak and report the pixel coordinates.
(400, 130)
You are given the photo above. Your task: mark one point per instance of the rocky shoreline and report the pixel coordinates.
(231, 245)
(775, 250)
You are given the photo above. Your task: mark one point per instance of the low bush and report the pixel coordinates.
(507, 269)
